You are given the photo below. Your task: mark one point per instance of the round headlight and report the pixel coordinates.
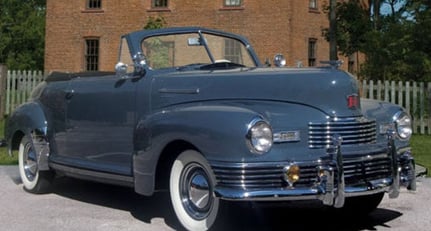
(259, 137)
(403, 125)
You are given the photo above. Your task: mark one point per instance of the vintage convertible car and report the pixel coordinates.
(194, 111)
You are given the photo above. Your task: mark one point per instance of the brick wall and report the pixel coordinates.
(272, 26)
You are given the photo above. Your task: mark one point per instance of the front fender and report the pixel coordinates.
(29, 120)
(211, 129)
(208, 129)
(383, 113)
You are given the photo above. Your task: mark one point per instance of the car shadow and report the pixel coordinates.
(234, 216)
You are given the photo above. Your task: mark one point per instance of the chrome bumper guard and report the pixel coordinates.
(330, 187)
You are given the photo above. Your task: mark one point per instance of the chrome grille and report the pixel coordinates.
(360, 171)
(258, 176)
(352, 130)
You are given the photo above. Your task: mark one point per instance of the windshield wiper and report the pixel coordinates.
(221, 65)
(192, 66)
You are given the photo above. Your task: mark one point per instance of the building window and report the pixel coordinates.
(312, 4)
(230, 3)
(92, 54)
(232, 51)
(94, 4)
(312, 52)
(159, 3)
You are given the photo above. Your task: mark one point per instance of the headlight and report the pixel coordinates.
(403, 125)
(259, 136)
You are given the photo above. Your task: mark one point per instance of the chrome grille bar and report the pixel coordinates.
(352, 130)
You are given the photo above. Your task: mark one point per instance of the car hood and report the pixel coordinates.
(322, 88)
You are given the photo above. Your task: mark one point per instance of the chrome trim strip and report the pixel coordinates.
(291, 194)
(179, 91)
(94, 175)
(354, 130)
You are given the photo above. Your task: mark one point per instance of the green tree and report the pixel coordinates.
(396, 43)
(157, 50)
(155, 23)
(353, 24)
(419, 12)
(22, 34)
(389, 51)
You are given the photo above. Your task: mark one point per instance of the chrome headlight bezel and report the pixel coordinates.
(259, 136)
(403, 125)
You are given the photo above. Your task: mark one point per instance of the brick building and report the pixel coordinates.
(84, 35)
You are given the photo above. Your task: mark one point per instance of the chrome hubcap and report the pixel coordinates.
(196, 191)
(29, 162)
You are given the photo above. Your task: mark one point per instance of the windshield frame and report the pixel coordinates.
(135, 40)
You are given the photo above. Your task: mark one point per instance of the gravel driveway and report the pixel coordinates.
(78, 205)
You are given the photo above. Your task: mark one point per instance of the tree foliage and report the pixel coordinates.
(353, 23)
(396, 43)
(155, 23)
(157, 50)
(22, 34)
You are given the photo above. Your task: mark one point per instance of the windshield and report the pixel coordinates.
(195, 50)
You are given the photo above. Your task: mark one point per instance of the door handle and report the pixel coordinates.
(69, 94)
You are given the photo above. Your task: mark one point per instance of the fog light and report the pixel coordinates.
(321, 173)
(291, 174)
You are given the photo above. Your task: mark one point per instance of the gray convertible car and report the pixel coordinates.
(193, 111)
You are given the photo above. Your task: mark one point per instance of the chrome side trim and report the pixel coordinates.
(179, 91)
(95, 176)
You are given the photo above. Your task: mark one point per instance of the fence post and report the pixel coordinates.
(3, 78)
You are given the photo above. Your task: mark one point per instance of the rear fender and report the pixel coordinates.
(29, 120)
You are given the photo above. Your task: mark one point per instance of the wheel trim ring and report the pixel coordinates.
(188, 176)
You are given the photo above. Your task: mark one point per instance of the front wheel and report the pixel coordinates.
(34, 181)
(191, 187)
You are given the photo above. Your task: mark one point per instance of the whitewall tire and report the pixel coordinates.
(33, 180)
(191, 188)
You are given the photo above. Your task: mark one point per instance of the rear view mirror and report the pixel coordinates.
(194, 42)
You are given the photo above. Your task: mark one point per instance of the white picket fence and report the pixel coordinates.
(414, 96)
(19, 85)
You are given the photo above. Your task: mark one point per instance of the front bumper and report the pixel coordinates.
(329, 180)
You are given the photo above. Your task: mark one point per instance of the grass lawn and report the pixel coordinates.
(421, 148)
(5, 159)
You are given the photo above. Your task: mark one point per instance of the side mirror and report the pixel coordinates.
(121, 69)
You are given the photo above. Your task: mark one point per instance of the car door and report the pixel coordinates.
(100, 119)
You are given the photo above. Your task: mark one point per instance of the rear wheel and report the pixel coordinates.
(34, 181)
(192, 191)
